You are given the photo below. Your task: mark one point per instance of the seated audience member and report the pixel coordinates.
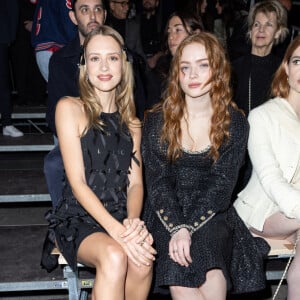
(270, 203)
(193, 146)
(238, 44)
(98, 223)
(253, 73)
(179, 25)
(151, 29)
(198, 7)
(129, 28)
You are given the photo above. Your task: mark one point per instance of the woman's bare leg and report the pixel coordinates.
(278, 226)
(106, 255)
(184, 293)
(215, 286)
(138, 281)
(293, 275)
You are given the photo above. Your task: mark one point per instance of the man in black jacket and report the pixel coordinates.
(63, 81)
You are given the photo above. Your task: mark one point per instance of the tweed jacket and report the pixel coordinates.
(274, 149)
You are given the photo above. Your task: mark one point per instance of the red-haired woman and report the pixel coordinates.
(193, 146)
(270, 203)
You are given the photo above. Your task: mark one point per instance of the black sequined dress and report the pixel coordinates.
(107, 156)
(194, 193)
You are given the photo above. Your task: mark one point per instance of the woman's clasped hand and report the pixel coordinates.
(137, 242)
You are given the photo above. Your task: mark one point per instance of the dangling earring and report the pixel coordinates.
(86, 77)
(287, 78)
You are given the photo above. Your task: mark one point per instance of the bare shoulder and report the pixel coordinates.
(70, 114)
(73, 105)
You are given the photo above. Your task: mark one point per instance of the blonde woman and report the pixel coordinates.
(98, 220)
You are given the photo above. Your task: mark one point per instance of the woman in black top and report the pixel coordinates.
(253, 73)
(97, 221)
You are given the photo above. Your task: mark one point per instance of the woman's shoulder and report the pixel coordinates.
(70, 110)
(239, 126)
(154, 116)
(267, 109)
(70, 103)
(237, 118)
(153, 123)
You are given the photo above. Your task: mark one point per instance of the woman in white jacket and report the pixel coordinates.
(270, 203)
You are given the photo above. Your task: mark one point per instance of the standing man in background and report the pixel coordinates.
(8, 27)
(52, 29)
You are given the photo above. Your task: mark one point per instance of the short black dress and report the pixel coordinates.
(195, 193)
(107, 157)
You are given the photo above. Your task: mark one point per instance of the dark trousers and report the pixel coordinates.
(5, 88)
(55, 175)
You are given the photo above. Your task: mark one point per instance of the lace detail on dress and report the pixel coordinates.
(207, 148)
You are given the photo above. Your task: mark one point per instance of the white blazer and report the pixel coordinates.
(274, 150)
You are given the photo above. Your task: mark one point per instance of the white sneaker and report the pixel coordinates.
(12, 131)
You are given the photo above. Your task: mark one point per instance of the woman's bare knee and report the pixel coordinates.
(101, 252)
(114, 259)
(141, 272)
(215, 274)
(178, 291)
(280, 227)
(215, 286)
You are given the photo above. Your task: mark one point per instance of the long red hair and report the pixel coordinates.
(280, 86)
(221, 97)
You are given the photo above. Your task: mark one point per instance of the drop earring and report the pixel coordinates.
(87, 77)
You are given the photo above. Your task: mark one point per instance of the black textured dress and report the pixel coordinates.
(107, 157)
(194, 193)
